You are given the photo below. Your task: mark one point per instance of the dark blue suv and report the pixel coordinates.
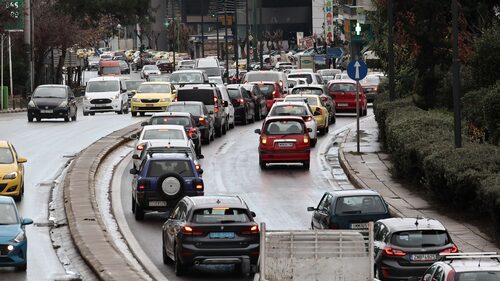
(162, 180)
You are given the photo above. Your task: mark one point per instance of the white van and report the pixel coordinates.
(266, 76)
(105, 94)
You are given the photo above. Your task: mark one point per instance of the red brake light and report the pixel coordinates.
(141, 187)
(281, 84)
(453, 249)
(140, 147)
(190, 230)
(308, 118)
(324, 99)
(191, 132)
(334, 226)
(254, 229)
(216, 109)
(274, 93)
(391, 252)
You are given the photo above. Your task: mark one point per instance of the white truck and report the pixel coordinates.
(315, 255)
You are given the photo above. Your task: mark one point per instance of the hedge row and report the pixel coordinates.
(422, 150)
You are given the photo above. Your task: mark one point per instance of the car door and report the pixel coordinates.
(380, 232)
(170, 233)
(429, 272)
(20, 166)
(249, 103)
(321, 215)
(261, 100)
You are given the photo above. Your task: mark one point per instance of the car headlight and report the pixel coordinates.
(164, 100)
(19, 237)
(136, 100)
(10, 176)
(63, 104)
(87, 98)
(117, 96)
(31, 104)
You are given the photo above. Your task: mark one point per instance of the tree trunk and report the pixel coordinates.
(59, 72)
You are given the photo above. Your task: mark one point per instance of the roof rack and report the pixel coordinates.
(473, 255)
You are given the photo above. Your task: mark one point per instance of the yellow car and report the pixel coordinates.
(319, 110)
(152, 97)
(11, 171)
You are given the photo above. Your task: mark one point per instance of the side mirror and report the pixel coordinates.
(26, 221)
(226, 104)
(253, 214)
(22, 160)
(317, 113)
(258, 131)
(133, 171)
(311, 209)
(201, 156)
(124, 90)
(134, 137)
(133, 92)
(309, 130)
(145, 123)
(136, 157)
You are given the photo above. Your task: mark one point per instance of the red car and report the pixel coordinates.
(271, 91)
(344, 94)
(284, 139)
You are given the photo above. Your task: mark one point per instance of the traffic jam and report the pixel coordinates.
(183, 112)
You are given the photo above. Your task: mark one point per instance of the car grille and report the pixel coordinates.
(46, 106)
(152, 108)
(3, 250)
(100, 101)
(101, 108)
(150, 100)
(2, 186)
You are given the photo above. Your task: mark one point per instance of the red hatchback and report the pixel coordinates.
(271, 91)
(284, 139)
(344, 94)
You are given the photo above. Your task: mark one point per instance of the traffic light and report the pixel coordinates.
(358, 29)
(167, 23)
(212, 14)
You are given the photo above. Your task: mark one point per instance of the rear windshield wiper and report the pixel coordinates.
(352, 212)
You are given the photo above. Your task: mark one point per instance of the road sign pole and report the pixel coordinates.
(10, 73)
(357, 115)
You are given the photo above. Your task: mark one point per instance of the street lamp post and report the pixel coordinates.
(202, 31)
(247, 37)
(227, 49)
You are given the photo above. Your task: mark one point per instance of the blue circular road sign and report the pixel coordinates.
(357, 70)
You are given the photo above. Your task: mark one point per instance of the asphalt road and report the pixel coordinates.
(48, 145)
(279, 195)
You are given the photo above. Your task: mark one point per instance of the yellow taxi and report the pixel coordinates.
(11, 171)
(318, 108)
(152, 97)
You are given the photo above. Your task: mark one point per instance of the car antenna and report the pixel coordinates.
(416, 222)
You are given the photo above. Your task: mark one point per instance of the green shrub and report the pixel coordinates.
(381, 108)
(489, 196)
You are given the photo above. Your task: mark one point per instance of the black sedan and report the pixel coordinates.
(244, 105)
(52, 101)
(210, 230)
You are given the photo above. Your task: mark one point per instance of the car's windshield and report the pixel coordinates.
(186, 77)
(220, 215)
(6, 156)
(103, 86)
(52, 92)
(368, 204)
(478, 276)
(170, 120)
(307, 91)
(343, 87)
(420, 238)
(284, 127)
(293, 110)
(262, 76)
(313, 101)
(133, 85)
(162, 134)
(234, 93)
(154, 88)
(216, 80)
(160, 167)
(8, 214)
(306, 76)
(194, 109)
(151, 67)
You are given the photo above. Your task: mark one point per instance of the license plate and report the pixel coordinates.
(46, 111)
(221, 235)
(157, 203)
(149, 104)
(359, 225)
(342, 104)
(423, 257)
(285, 144)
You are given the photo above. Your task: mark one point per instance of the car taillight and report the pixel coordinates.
(308, 118)
(263, 139)
(391, 252)
(274, 94)
(215, 100)
(281, 84)
(140, 147)
(334, 226)
(306, 138)
(175, 99)
(453, 249)
(142, 184)
(216, 109)
(324, 99)
(241, 101)
(254, 229)
(190, 230)
(203, 120)
(199, 186)
(197, 166)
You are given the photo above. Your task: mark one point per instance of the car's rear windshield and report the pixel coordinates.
(234, 93)
(159, 78)
(220, 215)
(163, 134)
(170, 120)
(204, 95)
(133, 85)
(153, 88)
(6, 156)
(284, 127)
(9, 215)
(478, 276)
(160, 167)
(313, 101)
(50, 92)
(267, 90)
(372, 80)
(306, 76)
(103, 86)
(343, 87)
(265, 76)
(194, 109)
(420, 238)
(307, 91)
(111, 70)
(211, 71)
(186, 77)
(368, 204)
(292, 110)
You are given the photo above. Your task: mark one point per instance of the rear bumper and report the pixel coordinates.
(284, 156)
(392, 270)
(191, 255)
(144, 197)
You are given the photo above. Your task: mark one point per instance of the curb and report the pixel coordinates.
(85, 223)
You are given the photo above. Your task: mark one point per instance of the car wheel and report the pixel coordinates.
(225, 127)
(38, 119)
(92, 113)
(30, 118)
(378, 274)
(85, 113)
(207, 139)
(245, 119)
(133, 205)
(257, 114)
(66, 119)
(252, 120)
(212, 137)
(218, 131)
(306, 164)
(134, 114)
(22, 267)
(143, 113)
(179, 267)
(125, 109)
(334, 119)
(262, 165)
(313, 142)
(139, 212)
(231, 126)
(327, 129)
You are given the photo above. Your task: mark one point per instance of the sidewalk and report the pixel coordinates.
(10, 110)
(371, 170)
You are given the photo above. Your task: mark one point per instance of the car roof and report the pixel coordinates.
(156, 82)
(169, 156)
(135, 80)
(280, 103)
(402, 224)
(106, 78)
(263, 82)
(168, 143)
(310, 86)
(197, 86)
(211, 201)
(343, 81)
(52, 86)
(6, 199)
(301, 72)
(186, 102)
(354, 192)
(189, 71)
(4, 143)
(285, 117)
(163, 114)
(156, 127)
(473, 265)
(295, 96)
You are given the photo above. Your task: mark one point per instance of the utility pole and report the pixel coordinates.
(456, 77)
(247, 35)
(202, 31)
(227, 49)
(390, 48)
(173, 33)
(260, 36)
(235, 39)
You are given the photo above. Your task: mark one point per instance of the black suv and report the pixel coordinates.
(162, 180)
(211, 230)
(406, 247)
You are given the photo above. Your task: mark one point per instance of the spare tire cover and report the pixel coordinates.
(171, 186)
